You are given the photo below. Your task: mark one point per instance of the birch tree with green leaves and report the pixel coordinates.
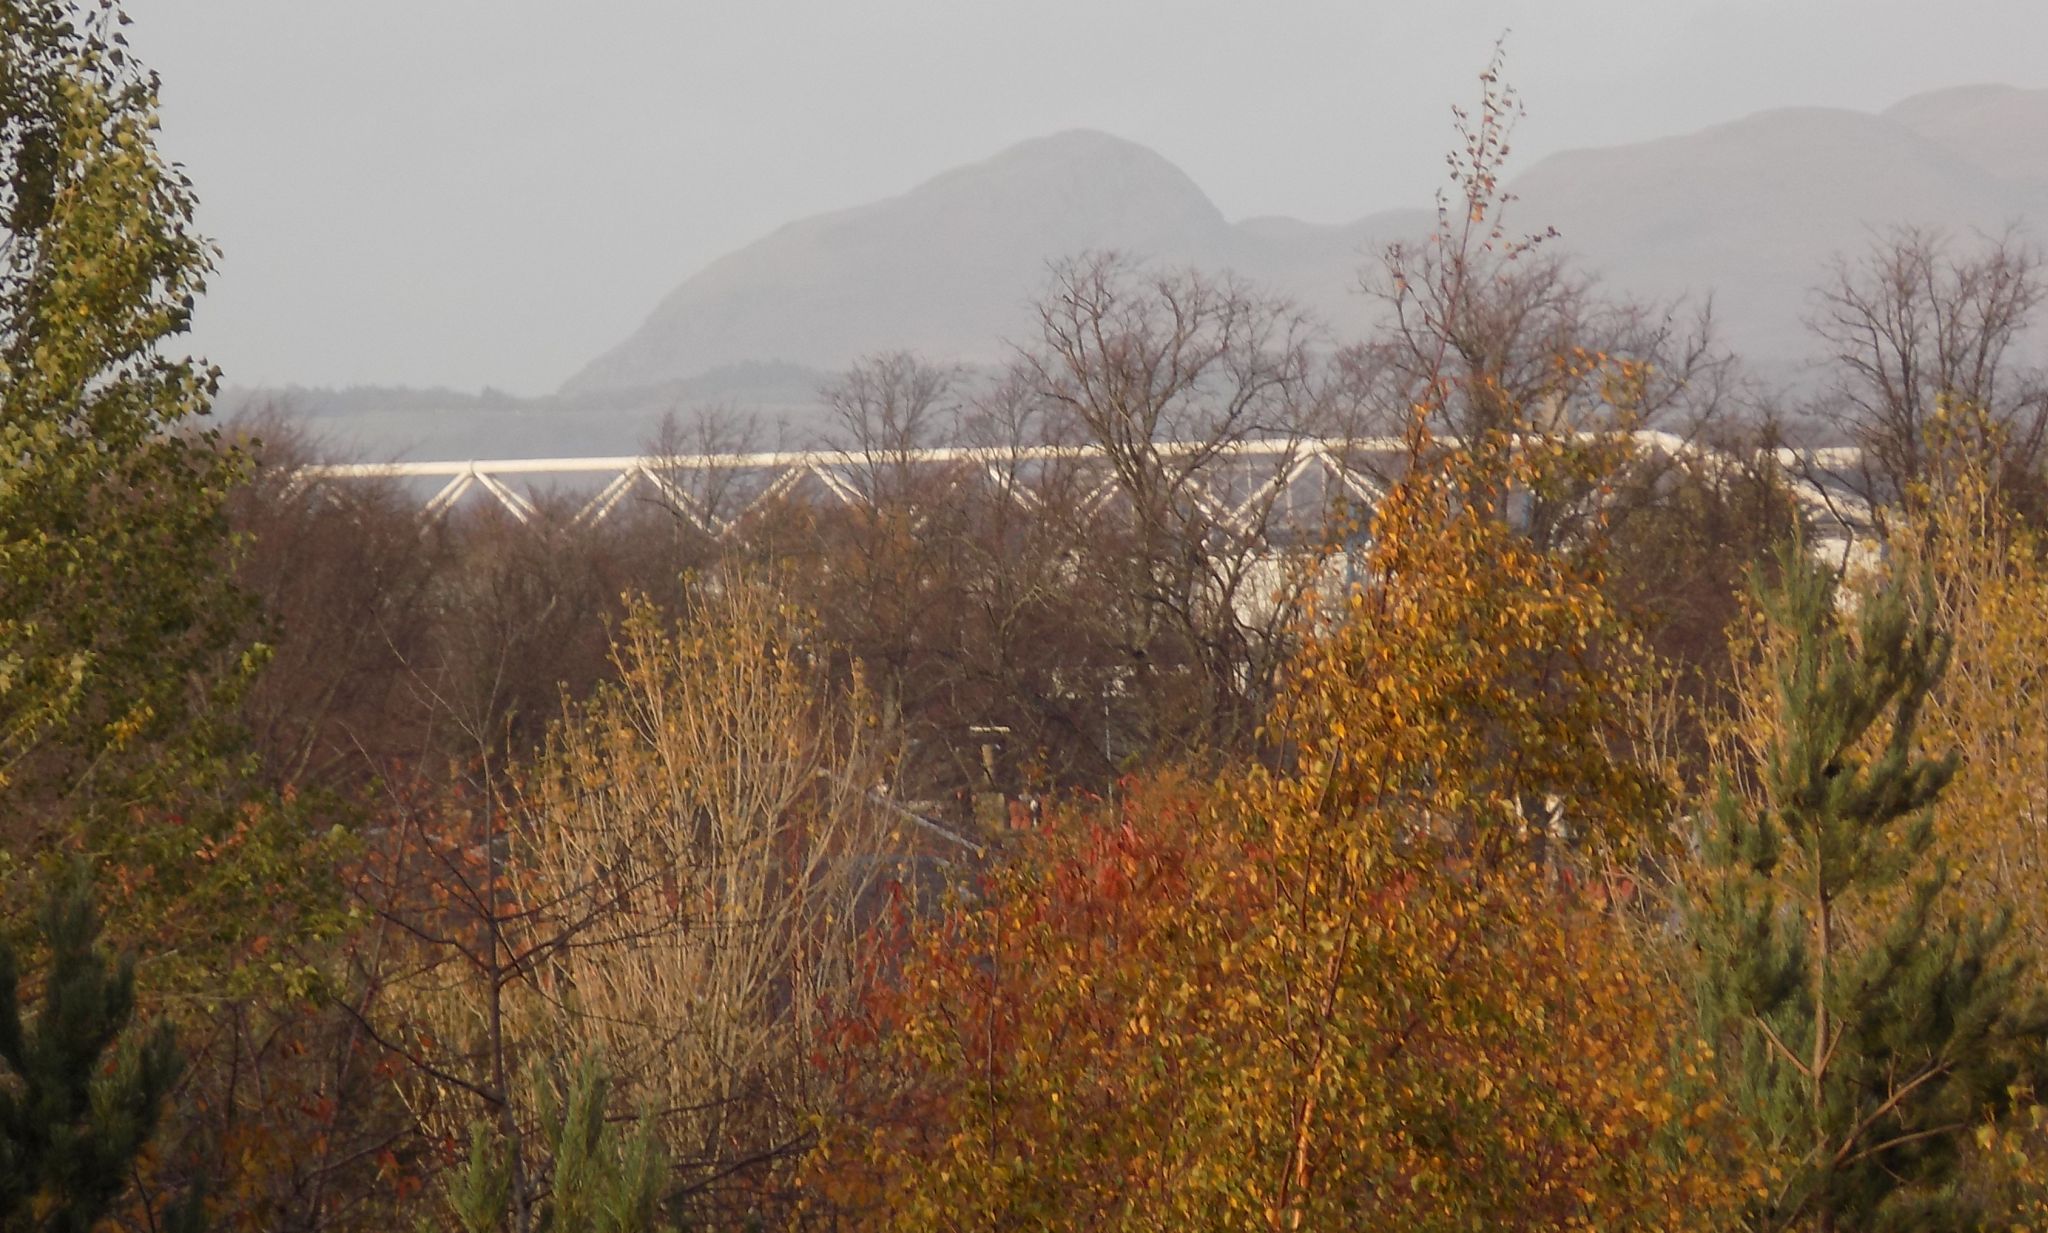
(125, 643)
(117, 611)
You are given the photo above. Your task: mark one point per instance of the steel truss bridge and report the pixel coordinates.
(1236, 484)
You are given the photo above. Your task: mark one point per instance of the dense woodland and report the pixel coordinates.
(1558, 841)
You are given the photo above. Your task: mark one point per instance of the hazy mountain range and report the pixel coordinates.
(1749, 212)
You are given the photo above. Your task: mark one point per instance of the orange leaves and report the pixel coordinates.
(1358, 988)
(1147, 1020)
(1036, 1050)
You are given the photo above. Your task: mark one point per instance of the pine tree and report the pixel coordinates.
(78, 1103)
(1864, 1031)
(594, 1180)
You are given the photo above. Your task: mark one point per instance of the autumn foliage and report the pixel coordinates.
(1389, 983)
(1063, 852)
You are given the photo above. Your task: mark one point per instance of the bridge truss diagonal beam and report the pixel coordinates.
(1816, 477)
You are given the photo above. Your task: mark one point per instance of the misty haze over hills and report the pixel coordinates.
(1750, 212)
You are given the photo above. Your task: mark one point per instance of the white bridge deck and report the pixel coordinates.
(1816, 475)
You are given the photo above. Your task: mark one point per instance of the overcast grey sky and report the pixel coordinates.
(434, 192)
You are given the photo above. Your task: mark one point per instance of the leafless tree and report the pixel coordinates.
(695, 501)
(1508, 330)
(886, 407)
(1920, 317)
(345, 578)
(1167, 374)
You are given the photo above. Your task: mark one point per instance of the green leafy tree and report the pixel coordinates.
(80, 1094)
(1865, 1033)
(117, 611)
(124, 641)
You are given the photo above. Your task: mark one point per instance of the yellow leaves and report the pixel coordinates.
(1351, 961)
(1473, 667)
(1990, 591)
(1244, 1016)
